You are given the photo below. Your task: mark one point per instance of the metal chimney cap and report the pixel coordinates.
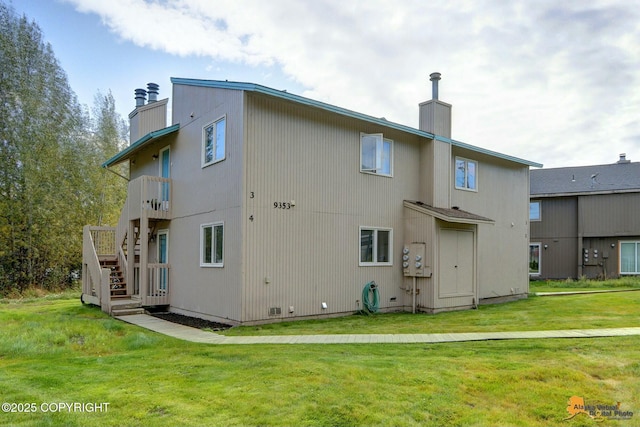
(623, 159)
(141, 96)
(153, 90)
(434, 77)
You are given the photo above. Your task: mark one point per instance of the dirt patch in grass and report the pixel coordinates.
(193, 322)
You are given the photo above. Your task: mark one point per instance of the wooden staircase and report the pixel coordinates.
(126, 307)
(117, 281)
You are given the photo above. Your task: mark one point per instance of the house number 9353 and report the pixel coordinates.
(282, 205)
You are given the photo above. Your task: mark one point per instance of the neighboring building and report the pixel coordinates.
(584, 221)
(258, 205)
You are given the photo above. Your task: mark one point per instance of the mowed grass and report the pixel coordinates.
(623, 283)
(608, 310)
(56, 350)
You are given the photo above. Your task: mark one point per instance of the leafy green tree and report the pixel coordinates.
(51, 183)
(109, 132)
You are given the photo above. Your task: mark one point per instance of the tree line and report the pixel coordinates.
(51, 151)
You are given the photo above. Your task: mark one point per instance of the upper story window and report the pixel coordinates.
(376, 154)
(466, 174)
(534, 211)
(376, 246)
(213, 141)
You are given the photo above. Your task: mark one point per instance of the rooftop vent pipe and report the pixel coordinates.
(141, 97)
(434, 77)
(152, 90)
(623, 159)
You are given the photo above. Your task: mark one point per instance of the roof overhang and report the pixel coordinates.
(143, 142)
(582, 193)
(252, 87)
(448, 215)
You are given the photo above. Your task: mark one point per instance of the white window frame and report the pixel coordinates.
(637, 264)
(539, 218)
(375, 263)
(213, 262)
(214, 159)
(539, 272)
(466, 177)
(380, 142)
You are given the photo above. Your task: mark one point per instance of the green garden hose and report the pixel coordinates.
(370, 289)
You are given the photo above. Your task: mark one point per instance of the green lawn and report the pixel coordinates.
(629, 282)
(56, 350)
(608, 310)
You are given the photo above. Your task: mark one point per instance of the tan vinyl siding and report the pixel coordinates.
(206, 195)
(502, 195)
(435, 117)
(420, 228)
(147, 118)
(309, 253)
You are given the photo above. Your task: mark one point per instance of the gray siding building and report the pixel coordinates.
(257, 205)
(584, 221)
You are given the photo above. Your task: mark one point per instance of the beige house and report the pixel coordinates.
(258, 205)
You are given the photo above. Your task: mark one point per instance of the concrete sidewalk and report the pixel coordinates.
(196, 335)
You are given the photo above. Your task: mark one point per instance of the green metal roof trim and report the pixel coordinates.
(252, 87)
(139, 144)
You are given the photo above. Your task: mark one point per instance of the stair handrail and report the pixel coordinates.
(122, 230)
(99, 276)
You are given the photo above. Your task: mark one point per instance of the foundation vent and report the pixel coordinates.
(275, 311)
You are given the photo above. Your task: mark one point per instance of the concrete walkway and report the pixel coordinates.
(196, 335)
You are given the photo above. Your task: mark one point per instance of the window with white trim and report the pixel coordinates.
(212, 245)
(629, 257)
(376, 246)
(376, 154)
(213, 141)
(535, 213)
(466, 174)
(534, 258)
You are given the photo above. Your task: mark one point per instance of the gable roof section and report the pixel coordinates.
(449, 215)
(252, 87)
(140, 144)
(598, 179)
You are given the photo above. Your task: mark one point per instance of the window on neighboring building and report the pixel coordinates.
(466, 174)
(211, 245)
(213, 142)
(629, 257)
(376, 246)
(534, 258)
(376, 154)
(534, 211)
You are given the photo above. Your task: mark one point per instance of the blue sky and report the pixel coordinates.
(553, 82)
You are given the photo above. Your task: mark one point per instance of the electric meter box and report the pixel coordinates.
(413, 262)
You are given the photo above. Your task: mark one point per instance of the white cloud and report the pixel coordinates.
(555, 82)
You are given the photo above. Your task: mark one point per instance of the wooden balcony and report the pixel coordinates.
(149, 197)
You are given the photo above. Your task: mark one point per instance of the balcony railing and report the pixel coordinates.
(155, 291)
(150, 196)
